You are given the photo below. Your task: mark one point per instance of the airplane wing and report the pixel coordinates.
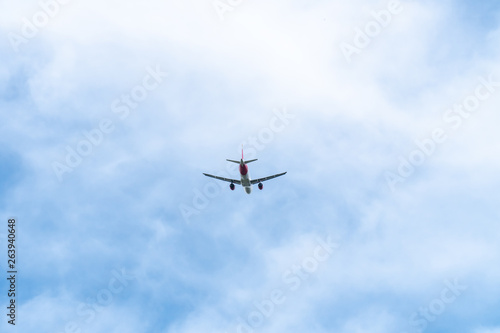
(255, 181)
(224, 179)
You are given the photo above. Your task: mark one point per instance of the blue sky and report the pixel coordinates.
(380, 225)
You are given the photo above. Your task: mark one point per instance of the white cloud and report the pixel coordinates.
(120, 206)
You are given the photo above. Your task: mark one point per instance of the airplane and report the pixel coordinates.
(245, 181)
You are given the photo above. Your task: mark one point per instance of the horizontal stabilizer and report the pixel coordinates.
(245, 162)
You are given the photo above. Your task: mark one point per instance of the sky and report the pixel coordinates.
(383, 113)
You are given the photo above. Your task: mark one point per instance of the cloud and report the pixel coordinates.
(352, 122)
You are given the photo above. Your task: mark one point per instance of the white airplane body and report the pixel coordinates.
(245, 180)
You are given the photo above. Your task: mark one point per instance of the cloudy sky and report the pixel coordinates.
(383, 113)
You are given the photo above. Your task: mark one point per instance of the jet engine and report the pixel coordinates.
(261, 186)
(231, 186)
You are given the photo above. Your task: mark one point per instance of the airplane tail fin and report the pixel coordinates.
(242, 159)
(244, 162)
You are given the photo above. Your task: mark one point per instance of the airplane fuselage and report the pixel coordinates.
(245, 177)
